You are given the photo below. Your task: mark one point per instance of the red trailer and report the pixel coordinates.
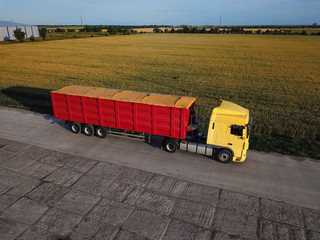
(101, 110)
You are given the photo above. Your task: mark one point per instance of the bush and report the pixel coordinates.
(19, 34)
(32, 39)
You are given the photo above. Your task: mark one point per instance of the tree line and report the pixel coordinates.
(109, 29)
(230, 30)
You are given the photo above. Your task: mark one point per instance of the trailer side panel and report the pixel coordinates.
(154, 119)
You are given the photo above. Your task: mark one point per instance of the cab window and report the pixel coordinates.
(237, 130)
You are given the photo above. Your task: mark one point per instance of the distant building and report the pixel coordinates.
(315, 24)
(7, 28)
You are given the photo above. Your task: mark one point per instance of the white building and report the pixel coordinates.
(7, 28)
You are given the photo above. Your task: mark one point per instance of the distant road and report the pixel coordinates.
(278, 177)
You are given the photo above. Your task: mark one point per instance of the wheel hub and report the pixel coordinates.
(86, 130)
(224, 156)
(170, 147)
(99, 132)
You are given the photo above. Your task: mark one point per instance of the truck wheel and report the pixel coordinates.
(224, 156)
(75, 127)
(170, 146)
(100, 132)
(88, 130)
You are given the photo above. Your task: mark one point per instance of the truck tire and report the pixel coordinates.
(88, 130)
(75, 127)
(100, 132)
(224, 156)
(170, 145)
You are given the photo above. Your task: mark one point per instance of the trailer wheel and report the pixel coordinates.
(100, 132)
(88, 130)
(224, 156)
(75, 127)
(170, 146)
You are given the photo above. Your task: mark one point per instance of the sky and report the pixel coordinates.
(161, 12)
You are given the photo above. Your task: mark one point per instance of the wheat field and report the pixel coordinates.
(276, 77)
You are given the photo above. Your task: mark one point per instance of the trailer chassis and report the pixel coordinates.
(170, 145)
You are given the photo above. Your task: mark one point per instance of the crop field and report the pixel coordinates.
(276, 77)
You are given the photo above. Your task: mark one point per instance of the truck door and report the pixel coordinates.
(236, 139)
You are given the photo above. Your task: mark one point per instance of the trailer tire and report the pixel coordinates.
(224, 156)
(75, 127)
(100, 132)
(88, 130)
(170, 146)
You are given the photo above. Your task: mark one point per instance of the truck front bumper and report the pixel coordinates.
(240, 159)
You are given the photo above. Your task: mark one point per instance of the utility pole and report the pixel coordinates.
(81, 20)
(220, 21)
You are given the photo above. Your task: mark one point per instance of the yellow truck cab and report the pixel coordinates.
(229, 131)
(228, 134)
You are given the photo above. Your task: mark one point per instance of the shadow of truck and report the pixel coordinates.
(34, 99)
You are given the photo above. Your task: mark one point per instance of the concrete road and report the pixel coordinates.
(282, 178)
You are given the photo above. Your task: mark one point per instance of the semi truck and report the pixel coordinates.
(102, 111)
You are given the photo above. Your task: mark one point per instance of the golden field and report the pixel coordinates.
(276, 77)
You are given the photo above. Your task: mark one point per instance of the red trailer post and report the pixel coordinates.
(155, 114)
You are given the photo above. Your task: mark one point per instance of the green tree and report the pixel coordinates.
(203, 30)
(186, 29)
(43, 33)
(156, 30)
(193, 30)
(19, 34)
(214, 30)
(32, 39)
(112, 30)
